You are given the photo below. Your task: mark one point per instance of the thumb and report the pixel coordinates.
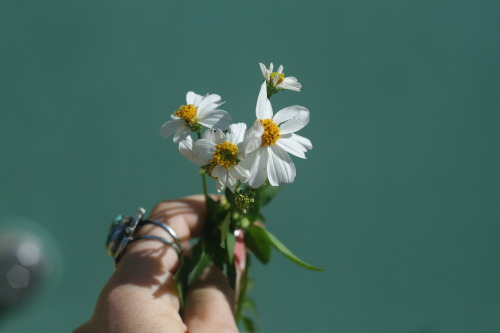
(210, 303)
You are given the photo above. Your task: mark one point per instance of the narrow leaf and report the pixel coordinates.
(231, 274)
(201, 259)
(224, 229)
(266, 193)
(229, 195)
(250, 306)
(230, 242)
(257, 240)
(244, 287)
(249, 325)
(287, 253)
(180, 278)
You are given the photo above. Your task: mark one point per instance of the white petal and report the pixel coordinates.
(181, 134)
(193, 98)
(171, 126)
(236, 133)
(186, 147)
(264, 71)
(258, 170)
(263, 110)
(205, 148)
(288, 113)
(209, 134)
(271, 168)
(215, 119)
(271, 66)
(290, 83)
(219, 185)
(215, 135)
(280, 69)
(253, 138)
(238, 172)
(222, 181)
(296, 123)
(231, 183)
(275, 80)
(291, 146)
(218, 171)
(306, 143)
(208, 103)
(219, 136)
(283, 165)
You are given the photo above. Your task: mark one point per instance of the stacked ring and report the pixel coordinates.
(123, 232)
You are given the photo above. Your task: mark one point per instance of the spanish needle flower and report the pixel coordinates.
(269, 158)
(199, 111)
(277, 81)
(221, 154)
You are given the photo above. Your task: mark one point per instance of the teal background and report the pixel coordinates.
(398, 200)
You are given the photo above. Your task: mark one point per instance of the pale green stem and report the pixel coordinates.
(203, 178)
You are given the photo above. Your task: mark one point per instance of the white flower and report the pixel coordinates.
(198, 111)
(270, 159)
(222, 153)
(277, 80)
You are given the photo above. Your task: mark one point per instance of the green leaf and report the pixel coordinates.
(211, 203)
(287, 253)
(257, 240)
(200, 260)
(224, 229)
(244, 287)
(230, 242)
(231, 274)
(253, 212)
(250, 306)
(180, 278)
(249, 325)
(229, 195)
(266, 193)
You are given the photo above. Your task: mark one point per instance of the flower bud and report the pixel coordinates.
(242, 202)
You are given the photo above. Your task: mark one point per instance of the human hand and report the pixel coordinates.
(141, 295)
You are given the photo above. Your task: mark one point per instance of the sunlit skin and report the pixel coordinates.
(141, 296)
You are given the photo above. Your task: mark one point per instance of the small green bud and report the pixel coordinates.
(242, 202)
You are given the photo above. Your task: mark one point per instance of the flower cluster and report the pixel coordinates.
(248, 165)
(233, 154)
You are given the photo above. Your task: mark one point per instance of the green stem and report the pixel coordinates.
(203, 178)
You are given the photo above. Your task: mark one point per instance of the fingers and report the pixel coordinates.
(185, 215)
(210, 304)
(147, 266)
(141, 295)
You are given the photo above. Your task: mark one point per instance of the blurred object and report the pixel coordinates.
(31, 268)
(22, 267)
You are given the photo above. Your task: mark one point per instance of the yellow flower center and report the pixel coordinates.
(187, 112)
(271, 132)
(281, 76)
(226, 155)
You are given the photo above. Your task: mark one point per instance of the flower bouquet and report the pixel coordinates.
(248, 166)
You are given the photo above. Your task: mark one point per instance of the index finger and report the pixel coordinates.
(143, 280)
(186, 216)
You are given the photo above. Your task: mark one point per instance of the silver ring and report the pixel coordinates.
(177, 243)
(123, 229)
(161, 239)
